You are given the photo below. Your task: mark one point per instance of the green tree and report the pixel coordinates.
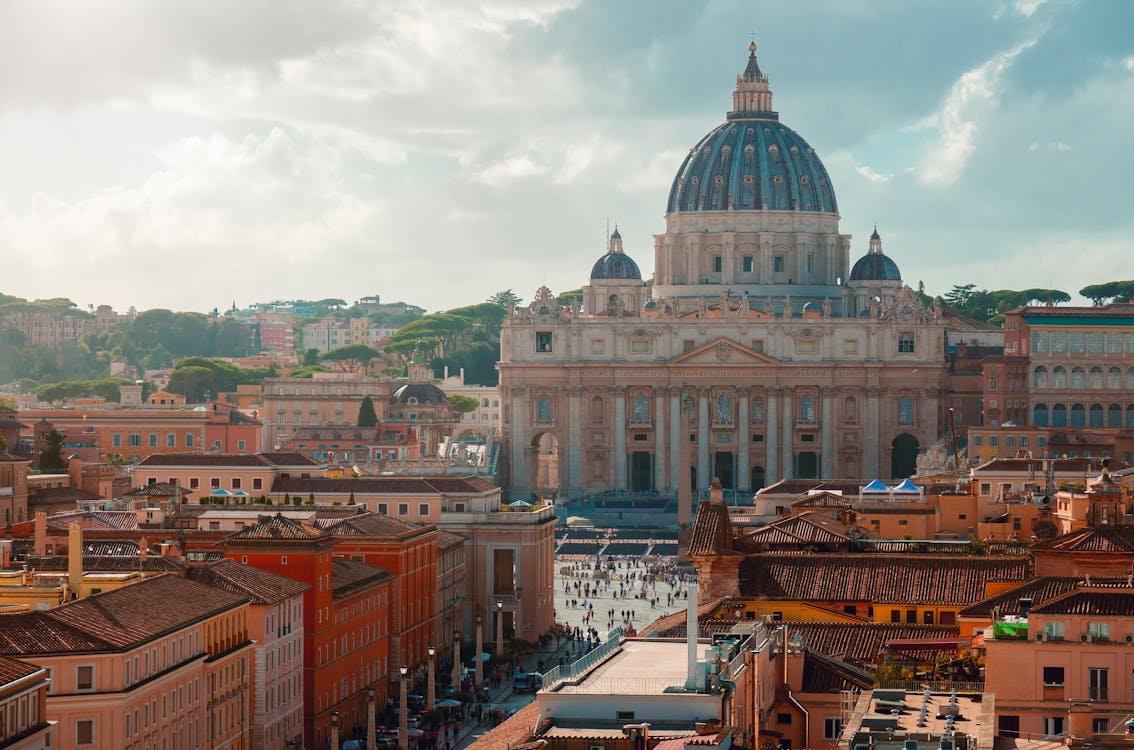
(463, 404)
(367, 417)
(51, 457)
(505, 299)
(311, 357)
(352, 358)
(566, 298)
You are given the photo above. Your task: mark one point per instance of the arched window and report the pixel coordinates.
(1130, 415)
(641, 408)
(807, 409)
(1059, 377)
(1039, 377)
(1078, 377)
(850, 411)
(543, 408)
(905, 409)
(1039, 415)
(1078, 415)
(1094, 416)
(724, 408)
(1114, 378)
(1114, 416)
(758, 412)
(598, 410)
(1059, 415)
(1096, 378)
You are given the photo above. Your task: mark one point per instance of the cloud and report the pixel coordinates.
(873, 176)
(501, 174)
(970, 98)
(655, 175)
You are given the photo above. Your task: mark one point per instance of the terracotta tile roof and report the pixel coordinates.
(228, 459)
(1077, 465)
(14, 669)
(6, 457)
(944, 580)
(1106, 603)
(447, 539)
(331, 433)
(518, 728)
(861, 644)
(1039, 590)
(348, 577)
(822, 500)
(107, 563)
(392, 485)
(1092, 539)
(812, 527)
(825, 674)
(116, 620)
(712, 530)
(157, 489)
(377, 525)
(62, 496)
(278, 527)
(94, 520)
(259, 586)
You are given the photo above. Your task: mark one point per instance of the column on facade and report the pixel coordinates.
(728, 260)
(519, 443)
(932, 406)
(787, 469)
(827, 426)
(772, 435)
(703, 478)
(660, 466)
(872, 438)
(620, 438)
(743, 436)
(677, 430)
(574, 440)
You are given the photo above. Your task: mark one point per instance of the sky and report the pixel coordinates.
(193, 155)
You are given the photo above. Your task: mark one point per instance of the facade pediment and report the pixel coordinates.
(723, 351)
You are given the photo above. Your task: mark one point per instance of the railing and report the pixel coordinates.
(935, 686)
(579, 667)
(625, 685)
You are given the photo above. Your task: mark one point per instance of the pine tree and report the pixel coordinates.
(367, 417)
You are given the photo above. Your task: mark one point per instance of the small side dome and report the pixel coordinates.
(650, 306)
(615, 265)
(875, 267)
(419, 393)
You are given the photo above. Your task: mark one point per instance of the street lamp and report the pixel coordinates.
(403, 710)
(499, 627)
(456, 661)
(371, 730)
(335, 730)
(430, 697)
(479, 651)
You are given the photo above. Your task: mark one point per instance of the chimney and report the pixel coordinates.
(40, 532)
(75, 560)
(5, 552)
(75, 470)
(143, 550)
(1079, 724)
(691, 637)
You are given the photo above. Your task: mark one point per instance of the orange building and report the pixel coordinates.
(164, 661)
(13, 487)
(346, 615)
(251, 474)
(23, 704)
(409, 553)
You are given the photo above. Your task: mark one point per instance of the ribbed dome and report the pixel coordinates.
(875, 267)
(420, 393)
(616, 266)
(752, 165)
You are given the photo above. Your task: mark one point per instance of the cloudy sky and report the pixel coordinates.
(191, 154)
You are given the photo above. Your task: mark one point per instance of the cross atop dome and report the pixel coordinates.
(752, 97)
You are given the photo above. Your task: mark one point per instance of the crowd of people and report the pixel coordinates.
(632, 582)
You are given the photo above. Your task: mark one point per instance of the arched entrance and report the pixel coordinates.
(757, 478)
(724, 469)
(545, 464)
(903, 456)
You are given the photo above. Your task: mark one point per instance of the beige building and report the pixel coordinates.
(325, 399)
(757, 352)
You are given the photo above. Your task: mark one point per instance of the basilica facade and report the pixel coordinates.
(757, 352)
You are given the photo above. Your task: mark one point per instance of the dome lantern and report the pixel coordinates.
(752, 95)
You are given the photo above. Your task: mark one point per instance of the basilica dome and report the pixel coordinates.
(752, 162)
(875, 265)
(616, 265)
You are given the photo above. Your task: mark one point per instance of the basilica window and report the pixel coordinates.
(1076, 343)
(1095, 342)
(1095, 416)
(724, 408)
(1078, 377)
(543, 341)
(1096, 377)
(1039, 415)
(906, 343)
(1078, 415)
(641, 408)
(757, 412)
(1058, 343)
(1114, 416)
(1059, 377)
(807, 409)
(747, 264)
(905, 410)
(639, 346)
(598, 412)
(1039, 341)
(1114, 343)
(1114, 378)
(778, 264)
(850, 410)
(716, 264)
(543, 408)
(1039, 377)
(1059, 415)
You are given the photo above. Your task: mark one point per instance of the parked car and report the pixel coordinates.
(526, 682)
